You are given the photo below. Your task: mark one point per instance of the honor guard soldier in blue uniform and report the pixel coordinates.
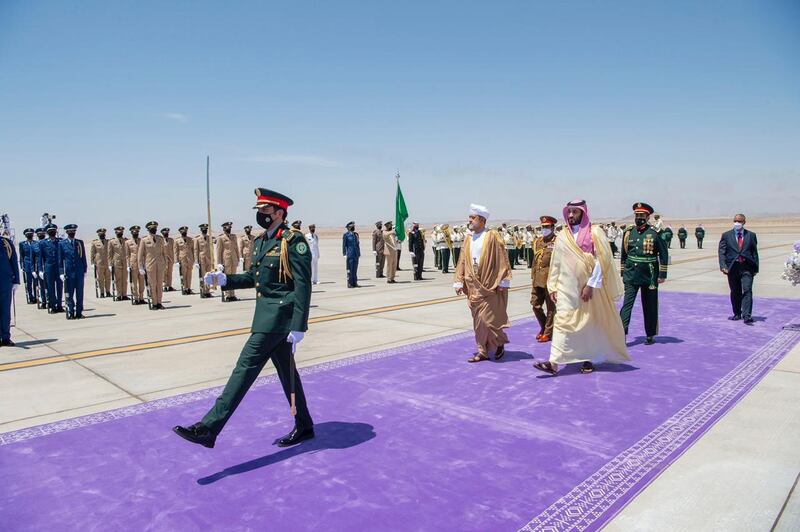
(9, 281)
(73, 271)
(351, 251)
(644, 259)
(50, 248)
(41, 235)
(28, 251)
(281, 275)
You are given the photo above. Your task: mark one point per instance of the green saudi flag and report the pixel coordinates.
(400, 213)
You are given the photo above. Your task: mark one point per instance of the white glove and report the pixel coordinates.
(294, 338)
(14, 291)
(220, 267)
(34, 275)
(141, 270)
(374, 252)
(63, 277)
(129, 268)
(412, 253)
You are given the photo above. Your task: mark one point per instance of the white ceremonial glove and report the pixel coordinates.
(129, 268)
(14, 291)
(141, 270)
(294, 338)
(35, 276)
(412, 253)
(62, 277)
(220, 267)
(374, 252)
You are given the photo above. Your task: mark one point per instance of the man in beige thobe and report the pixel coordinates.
(132, 254)
(118, 258)
(390, 245)
(203, 254)
(228, 255)
(183, 251)
(483, 274)
(584, 283)
(152, 263)
(246, 248)
(169, 251)
(98, 256)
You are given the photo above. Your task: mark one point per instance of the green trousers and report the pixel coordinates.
(649, 307)
(259, 348)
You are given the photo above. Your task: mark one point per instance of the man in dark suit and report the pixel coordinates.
(738, 259)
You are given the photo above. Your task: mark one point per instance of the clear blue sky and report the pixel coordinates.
(108, 109)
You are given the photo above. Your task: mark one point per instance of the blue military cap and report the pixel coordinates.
(28, 231)
(39, 230)
(350, 223)
(70, 227)
(50, 226)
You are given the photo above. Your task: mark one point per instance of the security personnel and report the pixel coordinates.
(228, 255)
(377, 249)
(699, 234)
(135, 276)
(28, 250)
(118, 257)
(72, 269)
(416, 246)
(281, 276)
(666, 235)
(682, 234)
(204, 258)
(542, 249)
(152, 263)
(246, 247)
(169, 251)
(41, 235)
(351, 251)
(98, 256)
(9, 281)
(51, 258)
(644, 258)
(183, 250)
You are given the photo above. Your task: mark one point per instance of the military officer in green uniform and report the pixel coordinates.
(699, 234)
(666, 235)
(644, 259)
(542, 250)
(682, 234)
(281, 275)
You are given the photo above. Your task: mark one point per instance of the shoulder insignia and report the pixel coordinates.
(301, 248)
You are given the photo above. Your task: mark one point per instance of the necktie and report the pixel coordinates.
(740, 240)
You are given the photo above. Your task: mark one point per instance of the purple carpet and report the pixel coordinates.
(408, 439)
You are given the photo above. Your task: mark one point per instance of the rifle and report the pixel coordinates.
(202, 284)
(180, 272)
(96, 284)
(147, 290)
(130, 281)
(222, 290)
(113, 283)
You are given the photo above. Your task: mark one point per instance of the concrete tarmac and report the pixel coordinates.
(738, 476)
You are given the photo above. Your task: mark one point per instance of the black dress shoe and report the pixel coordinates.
(7, 343)
(748, 320)
(197, 433)
(649, 340)
(124, 298)
(79, 317)
(189, 292)
(735, 317)
(295, 437)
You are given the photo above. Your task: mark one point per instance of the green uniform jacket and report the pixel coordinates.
(281, 305)
(644, 257)
(682, 233)
(666, 234)
(699, 232)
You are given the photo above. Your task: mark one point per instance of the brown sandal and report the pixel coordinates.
(478, 358)
(547, 367)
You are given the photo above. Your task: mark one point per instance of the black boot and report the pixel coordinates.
(295, 437)
(197, 433)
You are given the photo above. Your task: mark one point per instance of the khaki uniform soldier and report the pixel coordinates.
(118, 258)
(135, 277)
(281, 277)
(377, 250)
(246, 247)
(228, 255)
(169, 249)
(645, 260)
(390, 245)
(183, 250)
(205, 262)
(152, 263)
(98, 256)
(542, 249)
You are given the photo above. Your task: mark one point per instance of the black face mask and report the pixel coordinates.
(264, 220)
(152, 230)
(641, 222)
(119, 235)
(51, 233)
(184, 233)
